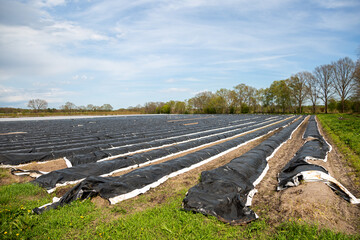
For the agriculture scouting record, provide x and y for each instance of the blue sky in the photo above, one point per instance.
(126, 53)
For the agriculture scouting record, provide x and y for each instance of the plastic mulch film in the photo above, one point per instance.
(129, 185)
(106, 168)
(226, 192)
(298, 169)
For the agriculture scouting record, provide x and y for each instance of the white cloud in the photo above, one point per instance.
(16, 95)
(333, 4)
(175, 90)
(49, 3)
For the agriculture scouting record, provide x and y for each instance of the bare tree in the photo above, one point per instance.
(312, 88)
(37, 104)
(324, 78)
(297, 84)
(69, 106)
(357, 80)
(106, 107)
(344, 78)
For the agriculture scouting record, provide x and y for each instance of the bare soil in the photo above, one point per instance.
(46, 166)
(7, 178)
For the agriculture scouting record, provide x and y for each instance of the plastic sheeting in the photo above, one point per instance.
(70, 175)
(116, 189)
(226, 192)
(298, 169)
(52, 139)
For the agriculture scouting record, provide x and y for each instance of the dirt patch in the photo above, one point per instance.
(310, 202)
(100, 202)
(7, 178)
(187, 124)
(46, 166)
(12, 133)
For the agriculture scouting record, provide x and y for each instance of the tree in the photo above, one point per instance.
(226, 98)
(312, 87)
(298, 88)
(37, 104)
(180, 107)
(150, 107)
(69, 106)
(343, 78)
(106, 107)
(240, 95)
(201, 101)
(165, 109)
(324, 78)
(281, 94)
(357, 80)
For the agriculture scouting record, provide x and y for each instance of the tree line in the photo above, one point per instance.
(334, 86)
(40, 104)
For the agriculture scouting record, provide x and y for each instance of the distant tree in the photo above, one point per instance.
(226, 99)
(357, 80)
(332, 105)
(313, 89)
(240, 95)
(150, 107)
(106, 107)
(82, 108)
(299, 90)
(69, 106)
(281, 94)
(344, 78)
(165, 109)
(180, 107)
(37, 104)
(201, 101)
(324, 75)
(90, 107)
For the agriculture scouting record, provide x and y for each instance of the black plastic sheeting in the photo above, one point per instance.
(315, 148)
(140, 180)
(124, 150)
(226, 192)
(78, 172)
(44, 140)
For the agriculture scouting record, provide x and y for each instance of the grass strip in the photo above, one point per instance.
(344, 130)
(85, 220)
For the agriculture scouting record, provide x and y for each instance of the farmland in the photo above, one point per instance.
(145, 165)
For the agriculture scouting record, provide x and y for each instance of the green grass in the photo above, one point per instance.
(84, 220)
(344, 130)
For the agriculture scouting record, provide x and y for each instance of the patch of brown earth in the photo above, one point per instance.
(7, 178)
(46, 166)
(11, 133)
(311, 202)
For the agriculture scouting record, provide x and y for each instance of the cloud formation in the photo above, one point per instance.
(124, 52)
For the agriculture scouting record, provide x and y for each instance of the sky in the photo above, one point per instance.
(126, 53)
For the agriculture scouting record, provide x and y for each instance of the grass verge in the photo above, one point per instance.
(344, 130)
(85, 220)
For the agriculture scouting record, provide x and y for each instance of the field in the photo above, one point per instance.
(174, 154)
